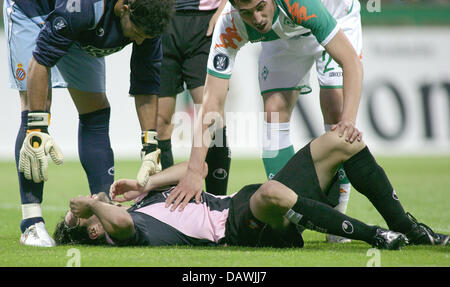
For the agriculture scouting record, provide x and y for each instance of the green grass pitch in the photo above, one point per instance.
(422, 184)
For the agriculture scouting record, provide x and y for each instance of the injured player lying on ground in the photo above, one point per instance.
(271, 214)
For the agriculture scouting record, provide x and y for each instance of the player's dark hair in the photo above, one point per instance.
(233, 2)
(75, 235)
(78, 234)
(65, 235)
(152, 16)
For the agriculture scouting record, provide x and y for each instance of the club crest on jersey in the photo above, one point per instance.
(265, 73)
(288, 22)
(20, 72)
(221, 62)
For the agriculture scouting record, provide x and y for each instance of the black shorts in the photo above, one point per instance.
(300, 175)
(243, 229)
(185, 52)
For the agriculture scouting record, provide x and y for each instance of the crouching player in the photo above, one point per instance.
(268, 214)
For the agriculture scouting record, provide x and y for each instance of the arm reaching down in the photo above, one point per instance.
(210, 117)
(123, 190)
(342, 51)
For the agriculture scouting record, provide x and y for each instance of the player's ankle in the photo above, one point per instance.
(25, 223)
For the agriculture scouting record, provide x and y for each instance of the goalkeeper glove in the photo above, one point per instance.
(36, 146)
(150, 155)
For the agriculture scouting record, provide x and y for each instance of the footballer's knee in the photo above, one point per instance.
(270, 202)
(278, 107)
(88, 102)
(274, 193)
(331, 102)
(343, 147)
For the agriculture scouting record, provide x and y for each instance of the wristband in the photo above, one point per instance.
(149, 141)
(38, 121)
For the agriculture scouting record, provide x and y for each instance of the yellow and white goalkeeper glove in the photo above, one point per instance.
(37, 145)
(151, 157)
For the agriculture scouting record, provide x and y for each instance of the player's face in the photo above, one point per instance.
(257, 13)
(93, 224)
(130, 30)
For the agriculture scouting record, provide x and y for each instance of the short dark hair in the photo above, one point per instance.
(79, 234)
(152, 16)
(65, 235)
(233, 2)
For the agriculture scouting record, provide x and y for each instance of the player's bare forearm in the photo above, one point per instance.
(129, 189)
(343, 52)
(37, 85)
(115, 220)
(167, 177)
(147, 111)
(210, 117)
(214, 18)
(222, 5)
(353, 77)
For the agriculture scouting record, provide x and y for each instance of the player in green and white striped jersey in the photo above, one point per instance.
(294, 35)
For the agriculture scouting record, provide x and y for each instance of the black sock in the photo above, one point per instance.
(94, 149)
(370, 179)
(166, 153)
(218, 159)
(323, 218)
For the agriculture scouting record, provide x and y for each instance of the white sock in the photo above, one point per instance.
(276, 136)
(344, 188)
(344, 196)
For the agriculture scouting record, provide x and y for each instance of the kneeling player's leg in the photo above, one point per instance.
(277, 145)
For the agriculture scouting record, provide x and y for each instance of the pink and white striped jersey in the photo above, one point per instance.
(197, 224)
